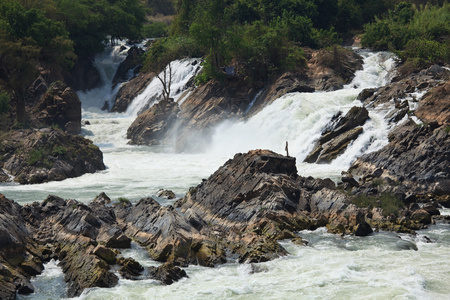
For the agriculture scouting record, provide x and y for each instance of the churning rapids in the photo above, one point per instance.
(381, 266)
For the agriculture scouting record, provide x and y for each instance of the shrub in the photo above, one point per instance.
(390, 204)
(155, 30)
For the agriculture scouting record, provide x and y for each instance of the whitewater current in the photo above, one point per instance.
(381, 266)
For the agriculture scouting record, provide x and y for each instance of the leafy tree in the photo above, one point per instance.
(27, 39)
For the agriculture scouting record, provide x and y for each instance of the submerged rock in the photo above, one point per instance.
(166, 273)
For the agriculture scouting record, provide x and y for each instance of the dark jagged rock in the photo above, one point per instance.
(132, 62)
(46, 155)
(417, 157)
(130, 268)
(167, 234)
(166, 273)
(152, 125)
(339, 133)
(61, 107)
(19, 257)
(414, 82)
(130, 90)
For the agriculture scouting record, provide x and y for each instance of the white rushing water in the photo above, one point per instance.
(381, 266)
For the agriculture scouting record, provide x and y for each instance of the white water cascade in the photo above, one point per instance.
(299, 118)
(381, 266)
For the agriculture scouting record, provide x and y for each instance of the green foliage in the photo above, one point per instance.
(59, 150)
(388, 202)
(420, 34)
(168, 49)
(36, 156)
(4, 103)
(155, 30)
(4, 111)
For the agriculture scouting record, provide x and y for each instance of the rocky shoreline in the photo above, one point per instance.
(240, 211)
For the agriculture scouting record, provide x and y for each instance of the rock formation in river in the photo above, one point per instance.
(240, 211)
(340, 132)
(36, 156)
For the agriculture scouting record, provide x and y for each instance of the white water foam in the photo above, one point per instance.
(299, 118)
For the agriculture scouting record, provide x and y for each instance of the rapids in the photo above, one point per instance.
(381, 266)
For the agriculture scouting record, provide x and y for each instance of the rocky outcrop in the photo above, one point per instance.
(130, 90)
(257, 198)
(435, 105)
(59, 106)
(338, 134)
(19, 257)
(416, 156)
(132, 63)
(399, 91)
(167, 234)
(330, 70)
(36, 156)
(151, 126)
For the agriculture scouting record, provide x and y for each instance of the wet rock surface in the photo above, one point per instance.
(36, 156)
(130, 90)
(151, 126)
(240, 211)
(417, 156)
(339, 133)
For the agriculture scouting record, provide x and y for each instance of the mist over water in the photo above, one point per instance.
(381, 266)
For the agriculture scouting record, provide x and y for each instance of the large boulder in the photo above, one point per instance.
(36, 156)
(59, 106)
(338, 134)
(128, 91)
(151, 126)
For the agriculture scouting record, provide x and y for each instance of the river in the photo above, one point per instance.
(381, 266)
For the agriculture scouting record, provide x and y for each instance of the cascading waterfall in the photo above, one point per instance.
(299, 118)
(183, 70)
(332, 267)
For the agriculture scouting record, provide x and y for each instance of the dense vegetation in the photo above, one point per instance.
(258, 37)
(420, 34)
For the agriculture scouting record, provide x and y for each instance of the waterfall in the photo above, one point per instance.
(183, 71)
(299, 118)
